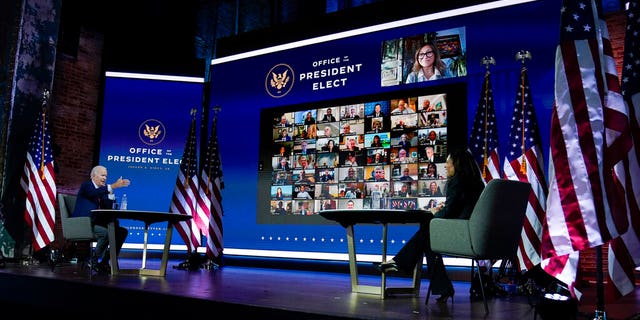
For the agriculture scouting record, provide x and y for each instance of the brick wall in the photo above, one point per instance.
(75, 114)
(616, 24)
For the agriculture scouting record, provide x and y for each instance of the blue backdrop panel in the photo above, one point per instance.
(240, 87)
(144, 129)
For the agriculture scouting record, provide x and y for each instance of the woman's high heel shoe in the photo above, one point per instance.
(445, 296)
(386, 267)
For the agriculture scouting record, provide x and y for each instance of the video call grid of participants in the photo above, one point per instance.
(379, 154)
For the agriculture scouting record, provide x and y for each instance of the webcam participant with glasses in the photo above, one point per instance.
(427, 65)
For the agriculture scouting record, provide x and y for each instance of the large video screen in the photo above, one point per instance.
(363, 154)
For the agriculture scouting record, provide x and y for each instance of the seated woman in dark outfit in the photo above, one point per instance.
(462, 191)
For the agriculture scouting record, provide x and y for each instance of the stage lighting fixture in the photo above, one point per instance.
(556, 303)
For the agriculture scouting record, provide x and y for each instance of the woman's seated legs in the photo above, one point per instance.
(440, 282)
(412, 252)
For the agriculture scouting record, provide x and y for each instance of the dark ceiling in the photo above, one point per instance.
(159, 36)
(151, 36)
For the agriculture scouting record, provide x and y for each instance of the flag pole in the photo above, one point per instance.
(46, 95)
(523, 55)
(214, 237)
(486, 61)
(600, 314)
(206, 44)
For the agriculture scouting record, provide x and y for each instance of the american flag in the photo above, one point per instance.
(590, 145)
(212, 182)
(203, 208)
(185, 194)
(483, 141)
(624, 251)
(39, 184)
(524, 162)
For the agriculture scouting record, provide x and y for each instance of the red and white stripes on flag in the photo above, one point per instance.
(524, 162)
(624, 251)
(483, 140)
(211, 179)
(185, 194)
(589, 183)
(39, 185)
(203, 208)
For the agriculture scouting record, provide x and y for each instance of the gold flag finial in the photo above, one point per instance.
(45, 97)
(523, 55)
(486, 61)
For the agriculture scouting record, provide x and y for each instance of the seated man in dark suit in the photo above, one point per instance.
(95, 193)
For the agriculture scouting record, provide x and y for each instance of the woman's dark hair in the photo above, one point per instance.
(437, 59)
(464, 164)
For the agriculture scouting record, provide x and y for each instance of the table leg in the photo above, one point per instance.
(144, 246)
(353, 267)
(113, 253)
(417, 273)
(162, 271)
(165, 252)
(384, 258)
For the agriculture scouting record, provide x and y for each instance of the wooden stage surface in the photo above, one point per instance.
(247, 290)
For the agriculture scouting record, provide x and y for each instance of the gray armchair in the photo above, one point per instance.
(75, 229)
(493, 230)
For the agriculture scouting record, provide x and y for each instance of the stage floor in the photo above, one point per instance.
(248, 292)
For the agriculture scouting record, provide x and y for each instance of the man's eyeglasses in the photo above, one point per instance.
(425, 54)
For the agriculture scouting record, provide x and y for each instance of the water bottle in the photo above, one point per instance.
(123, 202)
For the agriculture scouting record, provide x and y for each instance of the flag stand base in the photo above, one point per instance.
(600, 315)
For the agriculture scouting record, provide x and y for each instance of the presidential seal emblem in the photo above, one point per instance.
(151, 132)
(279, 80)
